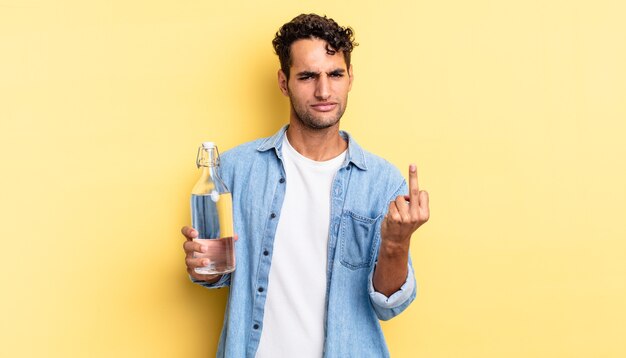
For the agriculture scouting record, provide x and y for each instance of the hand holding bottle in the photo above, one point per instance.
(192, 249)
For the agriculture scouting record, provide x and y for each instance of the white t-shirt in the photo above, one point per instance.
(295, 306)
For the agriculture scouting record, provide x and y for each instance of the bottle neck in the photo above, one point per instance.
(210, 179)
(209, 161)
(210, 171)
(208, 157)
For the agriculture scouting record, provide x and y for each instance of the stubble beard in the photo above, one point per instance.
(309, 120)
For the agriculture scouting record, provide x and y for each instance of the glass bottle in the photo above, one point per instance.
(212, 214)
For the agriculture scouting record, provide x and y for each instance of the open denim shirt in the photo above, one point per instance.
(360, 194)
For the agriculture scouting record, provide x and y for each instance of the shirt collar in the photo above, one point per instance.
(355, 154)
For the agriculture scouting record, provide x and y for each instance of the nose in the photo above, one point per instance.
(322, 88)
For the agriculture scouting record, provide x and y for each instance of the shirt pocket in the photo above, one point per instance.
(358, 237)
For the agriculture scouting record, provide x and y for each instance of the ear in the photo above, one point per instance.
(351, 77)
(282, 83)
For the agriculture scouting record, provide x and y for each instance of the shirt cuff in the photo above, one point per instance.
(397, 298)
(222, 282)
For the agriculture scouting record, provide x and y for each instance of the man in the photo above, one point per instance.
(323, 226)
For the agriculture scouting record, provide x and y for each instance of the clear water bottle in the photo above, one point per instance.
(212, 214)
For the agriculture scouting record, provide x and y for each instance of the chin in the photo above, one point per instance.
(317, 125)
(316, 121)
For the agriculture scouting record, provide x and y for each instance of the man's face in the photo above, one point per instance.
(318, 85)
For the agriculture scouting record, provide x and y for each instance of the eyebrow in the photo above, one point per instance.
(312, 73)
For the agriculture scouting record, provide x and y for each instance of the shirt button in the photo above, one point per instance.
(265, 253)
(273, 215)
(348, 167)
(256, 326)
(260, 289)
(282, 180)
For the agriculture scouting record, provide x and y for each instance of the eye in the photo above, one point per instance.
(336, 74)
(305, 76)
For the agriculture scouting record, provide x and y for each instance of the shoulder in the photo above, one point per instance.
(381, 174)
(243, 158)
(372, 182)
(389, 175)
(244, 149)
(381, 166)
(370, 164)
(242, 155)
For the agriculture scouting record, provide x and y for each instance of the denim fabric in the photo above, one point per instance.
(360, 195)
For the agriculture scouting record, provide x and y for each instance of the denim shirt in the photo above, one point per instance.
(360, 194)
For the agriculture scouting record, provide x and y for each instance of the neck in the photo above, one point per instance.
(316, 144)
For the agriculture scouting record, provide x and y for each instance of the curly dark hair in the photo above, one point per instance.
(306, 26)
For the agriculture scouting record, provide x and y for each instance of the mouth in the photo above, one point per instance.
(324, 106)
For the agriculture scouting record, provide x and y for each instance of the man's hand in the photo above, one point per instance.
(405, 215)
(192, 263)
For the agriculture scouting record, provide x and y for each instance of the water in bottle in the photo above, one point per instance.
(212, 214)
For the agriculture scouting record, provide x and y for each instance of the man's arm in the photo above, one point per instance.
(405, 215)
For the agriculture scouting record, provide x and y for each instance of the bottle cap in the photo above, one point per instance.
(208, 145)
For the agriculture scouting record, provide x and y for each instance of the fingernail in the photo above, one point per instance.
(412, 168)
(203, 249)
(205, 262)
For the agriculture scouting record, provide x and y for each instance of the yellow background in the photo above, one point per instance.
(514, 112)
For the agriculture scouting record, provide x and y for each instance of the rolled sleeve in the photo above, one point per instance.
(389, 307)
(224, 281)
